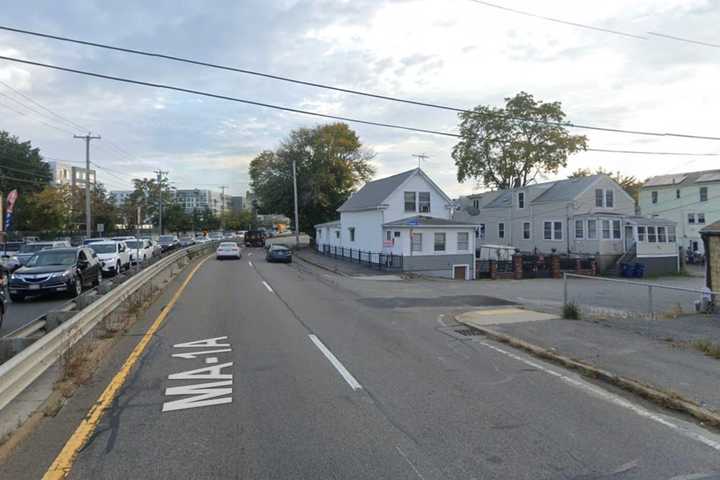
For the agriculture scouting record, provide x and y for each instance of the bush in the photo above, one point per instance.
(708, 348)
(571, 311)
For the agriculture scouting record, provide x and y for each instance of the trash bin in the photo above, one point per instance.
(625, 270)
(638, 270)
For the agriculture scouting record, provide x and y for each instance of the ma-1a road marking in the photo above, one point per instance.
(216, 392)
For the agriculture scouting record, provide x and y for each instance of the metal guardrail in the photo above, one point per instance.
(24, 368)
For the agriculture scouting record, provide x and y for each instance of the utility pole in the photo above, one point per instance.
(420, 157)
(222, 207)
(160, 175)
(297, 218)
(88, 215)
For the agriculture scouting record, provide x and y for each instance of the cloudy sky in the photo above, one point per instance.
(454, 52)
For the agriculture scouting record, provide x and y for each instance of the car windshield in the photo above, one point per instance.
(278, 248)
(48, 258)
(134, 244)
(34, 247)
(104, 248)
(167, 238)
(12, 246)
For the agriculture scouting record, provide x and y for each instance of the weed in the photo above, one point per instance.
(571, 311)
(707, 347)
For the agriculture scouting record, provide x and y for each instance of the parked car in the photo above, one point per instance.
(187, 241)
(156, 248)
(124, 239)
(228, 250)
(168, 242)
(278, 253)
(10, 249)
(114, 256)
(88, 241)
(3, 297)
(66, 270)
(255, 238)
(28, 250)
(140, 249)
(215, 236)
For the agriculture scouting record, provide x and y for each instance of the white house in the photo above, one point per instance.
(590, 216)
(692, 200)
(405, 215)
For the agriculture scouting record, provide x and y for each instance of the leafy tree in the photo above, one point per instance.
(146, 195)
(509, 147)
(629, 183)
(45, 211)
(102, 207)
(331, 162)
(21, 167)
(176, 220)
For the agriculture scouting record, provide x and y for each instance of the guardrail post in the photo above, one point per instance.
(650, 302)
(55, 317)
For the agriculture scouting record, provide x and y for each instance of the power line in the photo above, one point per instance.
(57, 115)
(36, 182)
(277, 107)
(558, 20)
(339, 89)
(35, 111)
(607, 150)
(686, 40)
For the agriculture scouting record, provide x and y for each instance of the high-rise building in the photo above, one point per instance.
(199, 200)
(66, 174)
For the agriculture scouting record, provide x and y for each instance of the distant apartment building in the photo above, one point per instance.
(237, 204)
(200, 200)
(691, 199)
(66, 174)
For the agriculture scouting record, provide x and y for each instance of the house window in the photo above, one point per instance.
(388, 235)
(416, 242)
(521, 200)
(617, 233)
(476, 203)
(599, 197)
(557, 230)
(410, 205)
(424, 202)
(609, 199)
(701, 218)
(661, 234)
(703, 194)
(691, 218)
(641, 233)
(606, 229)
(352, 233)
(552, 230)
(651, 234)
(579, 229)
(501, 230)
(439, 242)
(654, 197)
(480, 232)
(547, 230)
(463, 241)
(397, 234)
(671, 234)
(526, 231)
(677, 193)
(592, 229)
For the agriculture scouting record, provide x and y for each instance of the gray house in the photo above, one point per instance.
(587, 216)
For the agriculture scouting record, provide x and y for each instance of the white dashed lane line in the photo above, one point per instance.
(268, 287)
(354, 384)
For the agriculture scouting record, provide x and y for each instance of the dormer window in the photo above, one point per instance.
(521, 199)
(424, 202)
(410, 203)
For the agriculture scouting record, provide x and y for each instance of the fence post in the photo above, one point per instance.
(517, 267)
(492, 266)
(650, 302)
(565, 289)
(555, 266)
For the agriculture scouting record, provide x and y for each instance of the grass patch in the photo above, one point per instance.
(707, 347)
(571, 311)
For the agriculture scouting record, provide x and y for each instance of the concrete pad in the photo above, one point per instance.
(500, 316)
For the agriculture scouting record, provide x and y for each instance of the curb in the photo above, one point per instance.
(318, 265)
(659, 397)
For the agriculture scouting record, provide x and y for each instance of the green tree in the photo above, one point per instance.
(509, 147)
(102, 207)
(176, 220)
(146, 195)
(331, 162)
(48, 210)
(21, 167)
(629, 183)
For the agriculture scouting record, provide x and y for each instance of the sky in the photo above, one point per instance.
(453, 52)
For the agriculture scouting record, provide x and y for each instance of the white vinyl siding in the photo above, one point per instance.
(463, 241)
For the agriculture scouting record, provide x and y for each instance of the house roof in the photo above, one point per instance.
(334, 223)
(565, 190)
(712, 229)
(373, 193)
(425, 221)
(504, 199)
(683, 179)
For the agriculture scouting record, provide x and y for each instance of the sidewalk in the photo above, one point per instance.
(654, 353)
(341, 267)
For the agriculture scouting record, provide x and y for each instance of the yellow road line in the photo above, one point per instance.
(65, 459)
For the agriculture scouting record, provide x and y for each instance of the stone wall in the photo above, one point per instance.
(713, 259)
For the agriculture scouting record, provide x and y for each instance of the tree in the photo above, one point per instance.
(146, 195)
(629, 183)
(331, 162)
(48, 210)
(102, 207)
(509, 147)
(21, 167)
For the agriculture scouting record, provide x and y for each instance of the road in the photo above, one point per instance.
(312, 380)
(19, 314)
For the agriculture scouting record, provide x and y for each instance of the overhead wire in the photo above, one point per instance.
(347, 90)
(262, 104)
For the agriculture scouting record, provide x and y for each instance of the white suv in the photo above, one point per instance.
(141, 249)
(114, 256)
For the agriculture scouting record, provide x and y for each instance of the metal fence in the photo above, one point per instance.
(381, 261)
(616, 298)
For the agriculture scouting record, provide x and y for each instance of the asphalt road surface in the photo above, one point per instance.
(18, 314)
(305, 379)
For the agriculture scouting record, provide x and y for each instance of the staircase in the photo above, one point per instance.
(627, 257)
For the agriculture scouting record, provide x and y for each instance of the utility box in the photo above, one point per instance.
(711, 240)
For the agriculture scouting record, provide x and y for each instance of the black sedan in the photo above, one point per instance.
(64, 270)
(278, 253)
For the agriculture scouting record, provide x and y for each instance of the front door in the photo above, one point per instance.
(629, 237)
(460, 272)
